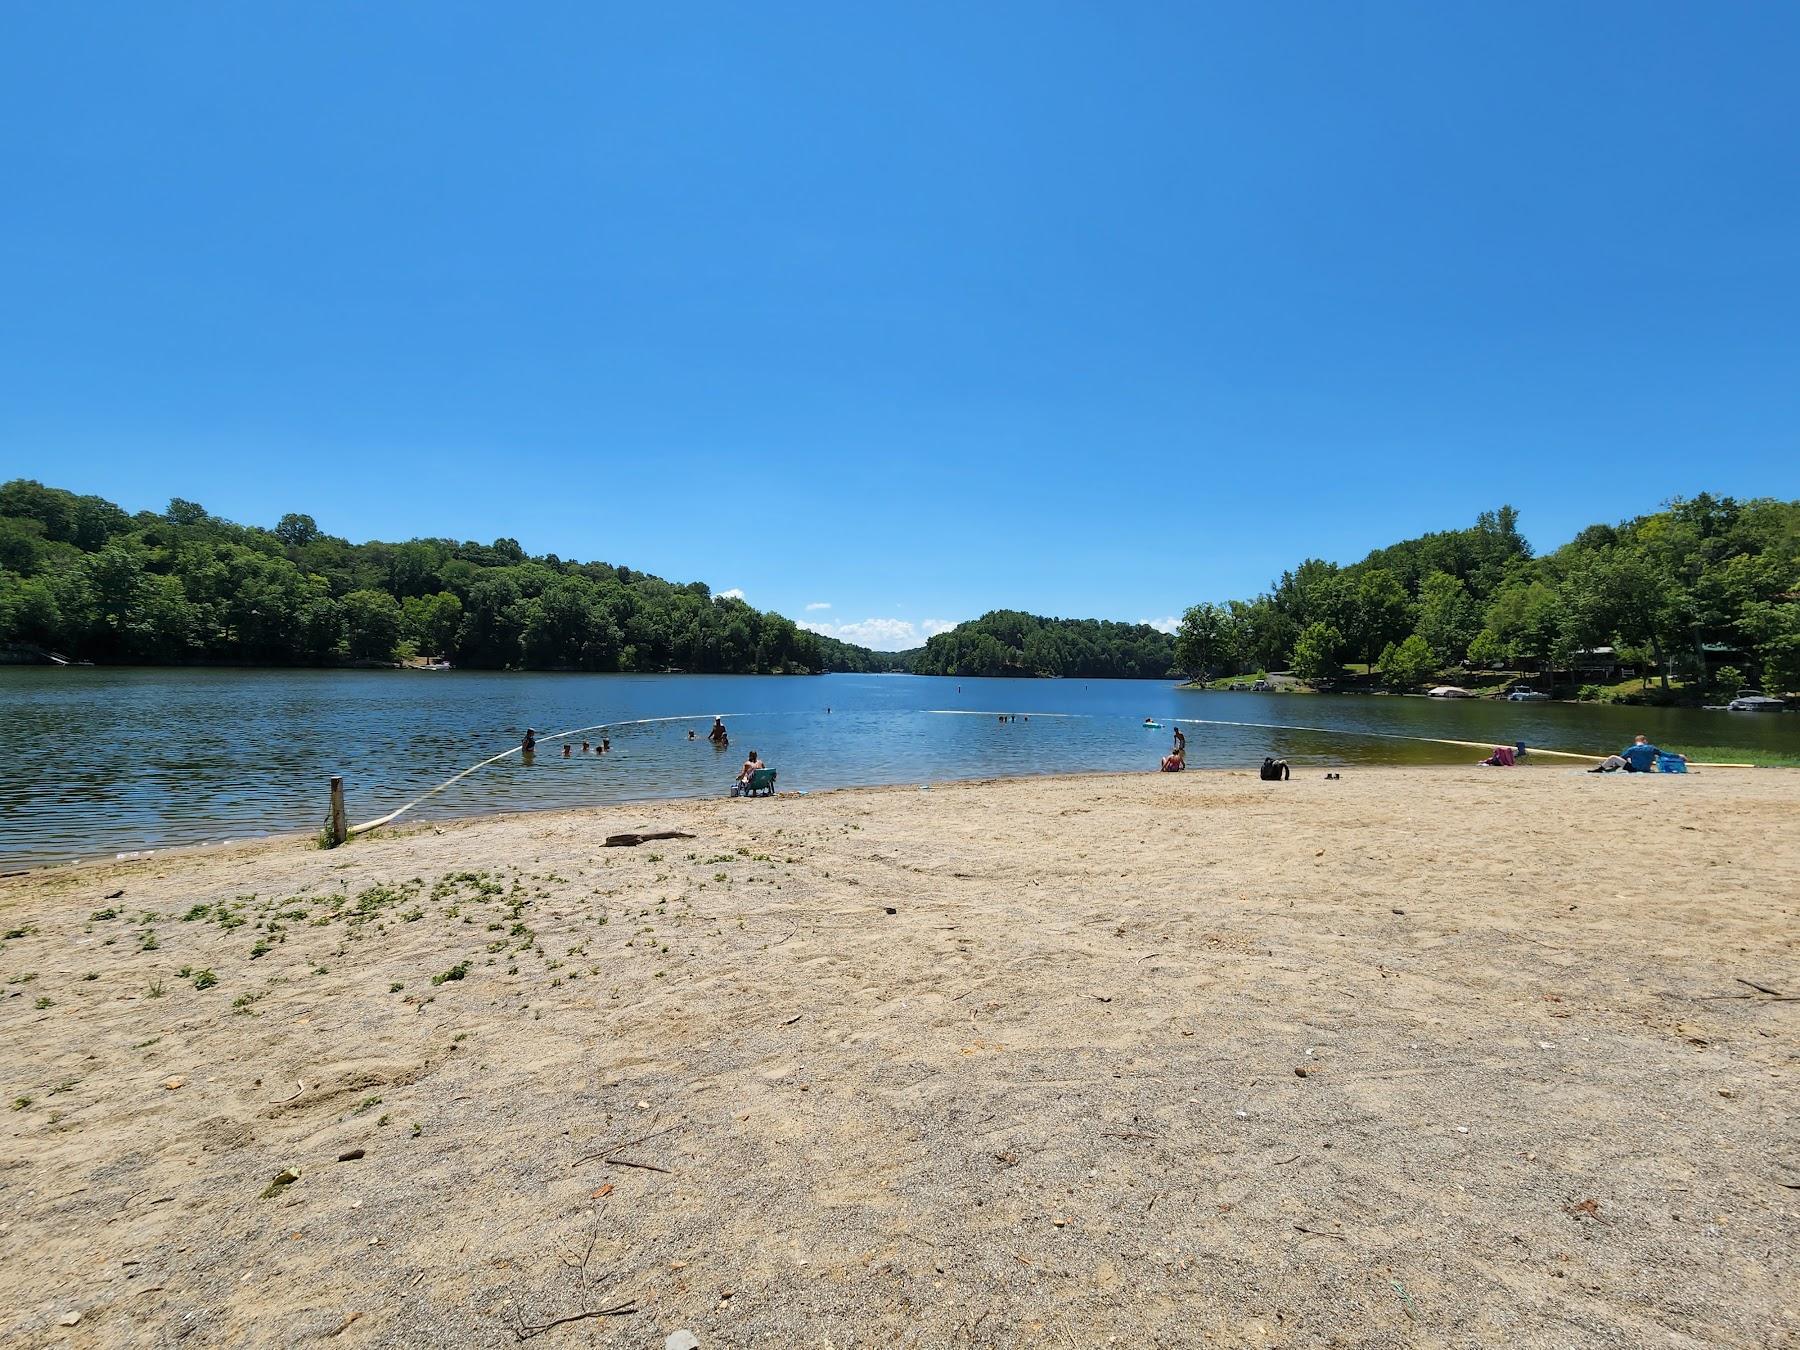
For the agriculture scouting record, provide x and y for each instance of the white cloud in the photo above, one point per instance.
(884, 635)
(818, 604)
(735, 593)
(1167, 624)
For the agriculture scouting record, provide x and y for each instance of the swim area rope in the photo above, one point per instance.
(554, 736)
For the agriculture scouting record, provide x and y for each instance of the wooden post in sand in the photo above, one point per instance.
(339, 830)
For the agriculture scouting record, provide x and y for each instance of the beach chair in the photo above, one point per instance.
(1667, 763)
(761, 784)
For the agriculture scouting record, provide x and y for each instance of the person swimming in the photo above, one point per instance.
(567, 749)
(606, 745)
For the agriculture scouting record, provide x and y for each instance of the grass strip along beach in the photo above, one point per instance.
(1418, 1056)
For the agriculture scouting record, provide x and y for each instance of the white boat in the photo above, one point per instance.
(1448, 691)
(1754, 700)
(1527, 696)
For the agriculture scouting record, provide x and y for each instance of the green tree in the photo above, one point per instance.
(296, 531)
(1203, 642)
(1382, 611)
(1408, 665)
(1316, 654)
(1448, 620)
(430, 622)
(371, 625)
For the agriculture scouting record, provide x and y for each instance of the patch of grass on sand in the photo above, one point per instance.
(1741, 754)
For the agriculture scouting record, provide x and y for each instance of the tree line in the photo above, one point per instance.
(1007, 642)
(1666, 590)
(81, 577)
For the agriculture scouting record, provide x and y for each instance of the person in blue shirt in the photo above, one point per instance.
(1638, 757)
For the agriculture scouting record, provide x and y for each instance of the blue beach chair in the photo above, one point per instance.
(1667, 763)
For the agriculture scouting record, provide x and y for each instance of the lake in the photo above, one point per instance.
(100, 761)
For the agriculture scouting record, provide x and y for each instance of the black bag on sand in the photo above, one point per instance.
(1274, 770)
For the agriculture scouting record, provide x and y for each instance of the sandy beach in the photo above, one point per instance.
(1417, 1057)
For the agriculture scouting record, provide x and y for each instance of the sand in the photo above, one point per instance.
(1419, 1057)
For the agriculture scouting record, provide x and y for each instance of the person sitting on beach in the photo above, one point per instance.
(1638, 757)
(1173, 763)
(751, 765)
(1274, 770)
(1502, 758)
(717, 735)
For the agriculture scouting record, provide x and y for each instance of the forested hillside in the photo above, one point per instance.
(1006, 642)
(1670, 591)
(81, 577)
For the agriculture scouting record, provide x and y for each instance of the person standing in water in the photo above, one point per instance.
(528, 746)
(1179, 749)
(717, 735)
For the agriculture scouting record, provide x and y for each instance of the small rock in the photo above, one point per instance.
(1726, 1092)
(351, 1156)
(643, 1106)
(68, 1319)
(283, 1179)
(1060, 1223)
(1299, 1073)
(890, 909)
(682, 1340)
(1399, 911)
(1242, 1115)
(173, 1082)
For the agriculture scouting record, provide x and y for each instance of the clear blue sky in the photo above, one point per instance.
(909, 310)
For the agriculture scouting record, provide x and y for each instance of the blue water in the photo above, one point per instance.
(101, 761)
